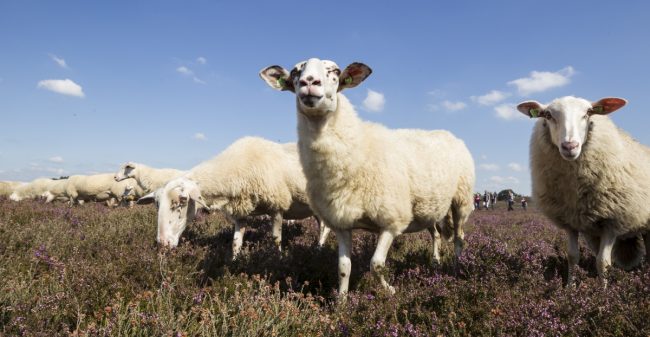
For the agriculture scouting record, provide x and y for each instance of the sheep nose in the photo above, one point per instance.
(310, 80)
(570, 145)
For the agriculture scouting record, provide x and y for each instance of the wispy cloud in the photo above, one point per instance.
(453, 106)
(508, 111)
(185, 71)
(504, 180)
(374, 101)
(491, 98)
(539, 81)
(515, 167)
(59, 61)
(199, 136)
(201, 60)
(63, 87)
(489, 167)
(56, 159)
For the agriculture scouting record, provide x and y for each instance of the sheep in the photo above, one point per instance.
(362, 175)
(590, 178)
(98, 187)
(149, 179)
(33, 189)
(8, 187)
(57, 190)
(253, 176)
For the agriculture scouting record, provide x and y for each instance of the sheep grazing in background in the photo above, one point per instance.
(98, 187)
(363, 175)
(34, 189)
(8, 187)
(149, 179)
(591, 178)
(253, 176)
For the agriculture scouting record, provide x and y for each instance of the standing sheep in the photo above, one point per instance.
(148, 178)
(33, 189)
(253, 176)
(363, 175)
(8, 187)
(590, 177)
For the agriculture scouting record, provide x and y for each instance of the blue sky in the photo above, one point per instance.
(172, 83)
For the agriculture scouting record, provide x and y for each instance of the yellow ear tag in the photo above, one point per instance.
(282, 82)
(348, 80)
(533, 113)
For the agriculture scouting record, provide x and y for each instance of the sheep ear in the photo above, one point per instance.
(195, 195)
(277, 78)
(532, 109)
(606, 105)
(353, 75)
(147, 199)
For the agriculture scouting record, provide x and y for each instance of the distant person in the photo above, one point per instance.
(486, 200)
(477, 201)
(524, 203)
(511, 201)
(494, 200)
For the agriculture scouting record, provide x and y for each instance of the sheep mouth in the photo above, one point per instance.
(570, 155)
(310, 100)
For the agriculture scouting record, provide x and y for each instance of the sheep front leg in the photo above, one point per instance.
(573, 255)
(378, 261)
(344, 238)
(277, 230)
(238, 237)
(324, 232)
(604, 258)
(435, 236)
(646, 240)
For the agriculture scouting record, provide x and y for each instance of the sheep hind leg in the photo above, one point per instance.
(238, 237)
(378, 261)
(573, 256)
(344, 238)
(324, 231)
(277, 230)
(435, 237)
(646, 240)
(604, 258)
(460, 214)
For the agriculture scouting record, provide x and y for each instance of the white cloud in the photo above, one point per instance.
(64, 87)
(504, 180)
(185, 71)
(453, 106)
(539, 81)
(491, 98)
(198, 80)
(374, 102)
(489, 167)
(56, 159)
(201, 60)
(515, 167)
(59, 61)
(199, 136)
(508, 111)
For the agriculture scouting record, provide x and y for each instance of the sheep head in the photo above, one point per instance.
(127, 170)
(315, 83)
(568, 120)
(177, 203)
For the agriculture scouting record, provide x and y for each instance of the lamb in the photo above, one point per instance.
(253, 176)
(149, 179)
(8, 187)
(361, 175)
(591, 178)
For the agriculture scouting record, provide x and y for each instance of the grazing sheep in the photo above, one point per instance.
(253, 176)
(148, 178)
(8, 187)
(33, 189)
(590, 177)
(363, 175)
(97, 187)
(57, 190)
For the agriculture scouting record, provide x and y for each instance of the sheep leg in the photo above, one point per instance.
(277, 230)
(344, 238)
(324, 232)
(238, 237)
(573, 255)
(460, 214)
(646, 240)
(378, 261)
(435, 236)
(604, 258)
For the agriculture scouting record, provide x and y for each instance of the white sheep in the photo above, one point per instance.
(97, 187)
(149, 179)
(57, 190)
(8, 187)
(363, 175)
(590, 178)
(33, 189)
(253, 176)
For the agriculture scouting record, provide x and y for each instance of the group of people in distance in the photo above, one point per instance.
(488, 200)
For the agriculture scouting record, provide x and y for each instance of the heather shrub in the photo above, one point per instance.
(95, 271)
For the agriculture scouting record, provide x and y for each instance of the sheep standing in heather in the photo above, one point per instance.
(8, 187)
(33, 189)
(590, 178)
(149, 179)
(253, 176)
(363, 175)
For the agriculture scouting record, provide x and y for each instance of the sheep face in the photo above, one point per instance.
(315, 83)
(177, 204)
(568, 120)
(126, 171)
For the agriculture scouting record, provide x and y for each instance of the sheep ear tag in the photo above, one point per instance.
(282, 82)
(534, 113)
(598, 109)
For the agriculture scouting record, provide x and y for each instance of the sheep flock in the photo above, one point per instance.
(590, 178)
